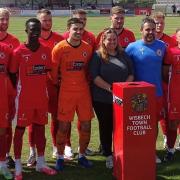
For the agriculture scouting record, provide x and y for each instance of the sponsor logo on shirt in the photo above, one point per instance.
(74, 65)
(36, 70)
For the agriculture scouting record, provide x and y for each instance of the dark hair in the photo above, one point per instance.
(73, 21)
(35, 20)
(147, 20)
(102, 50)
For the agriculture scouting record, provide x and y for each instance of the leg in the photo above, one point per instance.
(84, 138)
(18, 140)
(9, 159)
(32, 156)
(40, 141)
(61, 141)
(3, 167)
(104, 114)
(54, 129)
(171, 139)
(68, 153)
(105, 118)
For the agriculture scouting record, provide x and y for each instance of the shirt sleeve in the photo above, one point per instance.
(168, 57)
(56, 56)
(94, 66)
(14, 62)
(129, 64)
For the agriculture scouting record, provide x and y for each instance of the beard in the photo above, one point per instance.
(3, 28)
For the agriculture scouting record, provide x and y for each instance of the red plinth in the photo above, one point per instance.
(134, 132)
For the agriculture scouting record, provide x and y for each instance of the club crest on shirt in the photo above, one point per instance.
(84, 54)
(11, 46)
(43, 56)
(139, 102)
(167, 45)
(126, 40)
(55, 43)
(2, 55)
(159, 52)
(89, 41)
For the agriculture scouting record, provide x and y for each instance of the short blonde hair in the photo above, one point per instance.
(4, 12)
(158, 14)
(117, 10)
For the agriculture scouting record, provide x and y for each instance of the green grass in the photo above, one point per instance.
(99, 172)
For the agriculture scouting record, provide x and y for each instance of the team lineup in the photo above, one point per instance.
(73, 73)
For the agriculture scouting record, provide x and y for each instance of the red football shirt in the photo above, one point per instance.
(11, 41)
(170, 42)
(124, 38)
(87, 36)
(32, 77)
(5, 55)
(52, 40)
(173, 58)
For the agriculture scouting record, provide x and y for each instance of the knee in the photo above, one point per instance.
(85, 126)
(2, 131)
(64, 127)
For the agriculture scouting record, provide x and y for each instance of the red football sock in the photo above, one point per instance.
(84, 138)
(54, 129)
(68, 140)
(3, 147)
(40, 140)
(164, 126)
(18, 141)
(171, 138)
(61, 141)
(8, 139)
(31, 136)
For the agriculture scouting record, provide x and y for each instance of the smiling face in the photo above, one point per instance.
(76, 31)
(148, 32)
(110, 41)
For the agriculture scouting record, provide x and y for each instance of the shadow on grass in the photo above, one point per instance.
(73, 171)
(168, 170)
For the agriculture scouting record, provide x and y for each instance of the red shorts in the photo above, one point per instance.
(30, 116)
(53, 98)
(4, 118)
(165, 95)
(71, 102)
(159, 108)
(174, 110)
